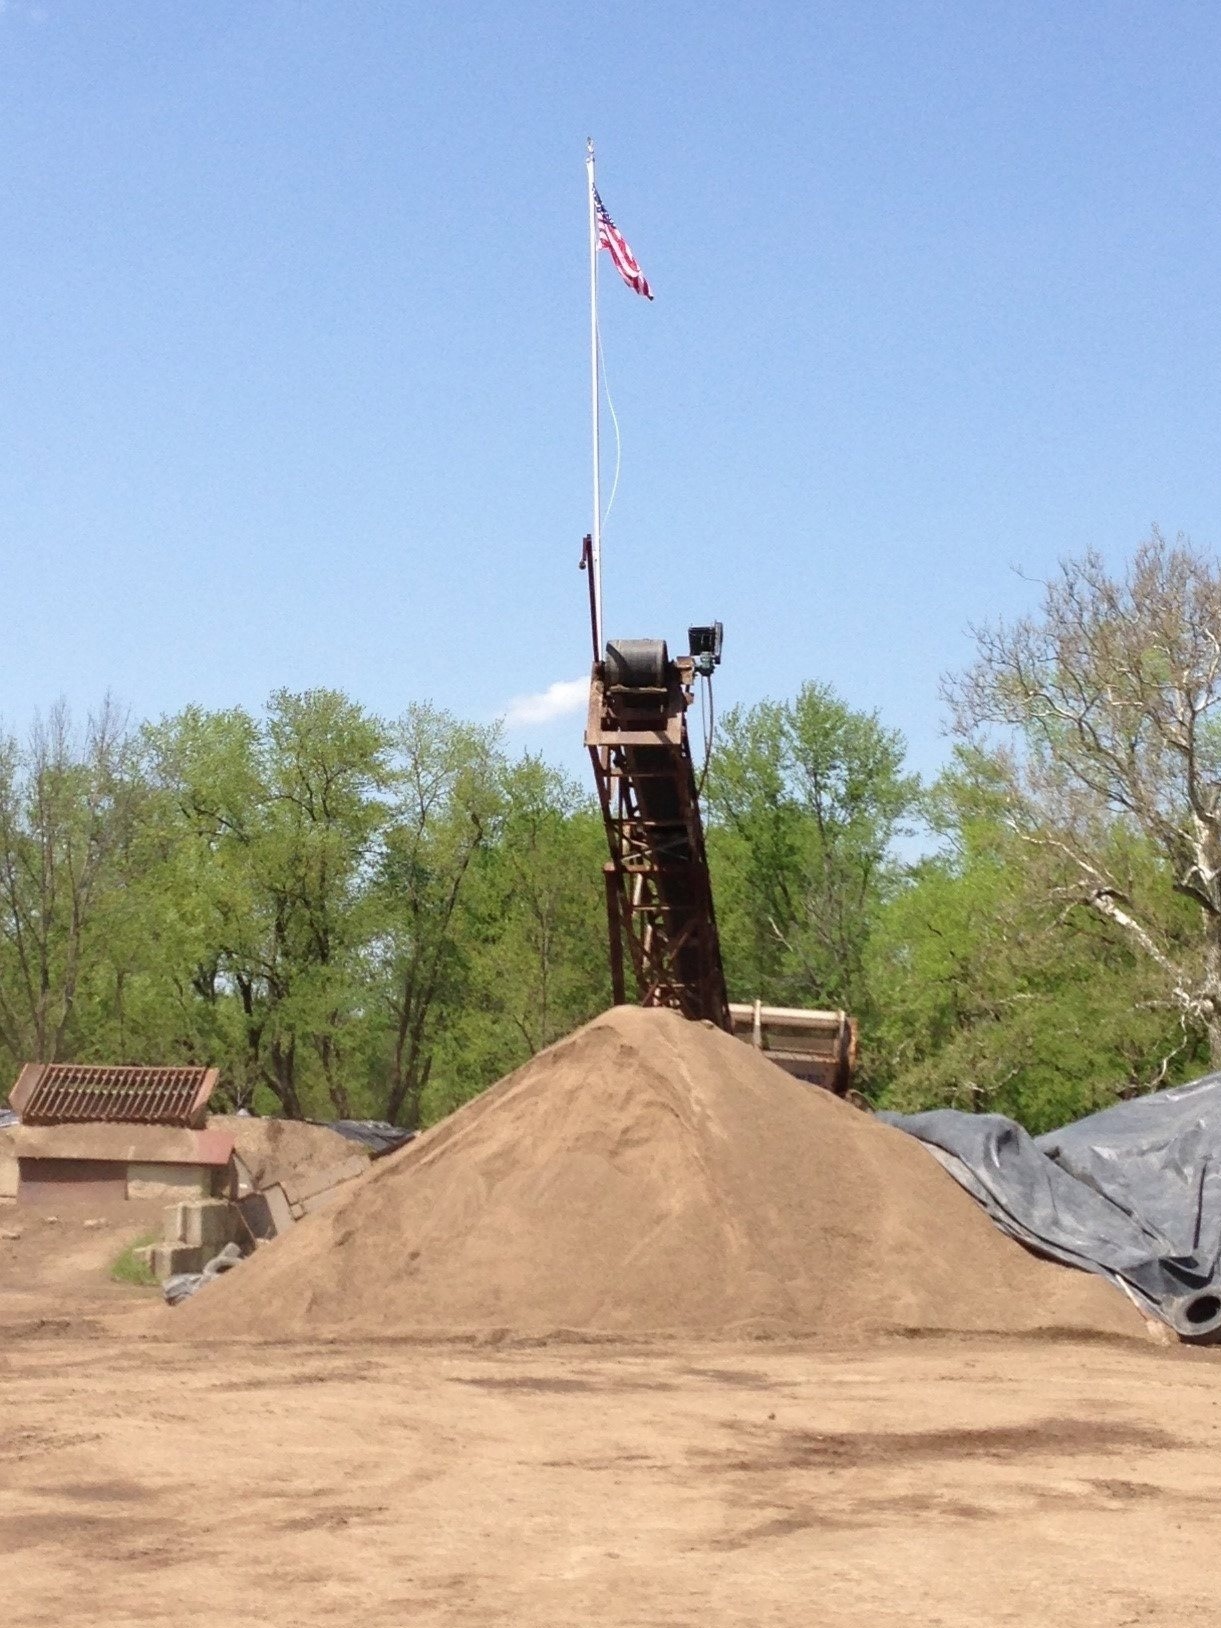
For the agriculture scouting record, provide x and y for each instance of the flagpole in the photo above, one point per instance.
(595, 403)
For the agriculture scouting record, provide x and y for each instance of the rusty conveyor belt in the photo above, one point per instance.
(658, 891)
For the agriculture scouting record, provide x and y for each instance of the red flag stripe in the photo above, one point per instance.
(613, 240)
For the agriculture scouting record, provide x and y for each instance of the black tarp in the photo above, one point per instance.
(1132, 1193)
(376, 1135)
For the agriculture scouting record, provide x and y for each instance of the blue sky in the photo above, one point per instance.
(295, 390)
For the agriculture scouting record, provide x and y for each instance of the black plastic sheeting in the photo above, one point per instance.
(1132, 1193)
(376, 1135)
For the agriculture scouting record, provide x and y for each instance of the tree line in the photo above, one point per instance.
(359, 916)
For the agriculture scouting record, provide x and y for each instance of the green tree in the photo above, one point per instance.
(276, 828)
(536, 921)
(989, 995)
(1108, 701)
(448, 798)
(805, 801)
(69, 807)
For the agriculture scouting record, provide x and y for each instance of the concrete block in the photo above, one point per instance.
(208, 1222)
(243, 1177)
(256, 1214)
(9, 1176)
(171, 1258)
(334, 1177)
(278, 1207)
(169, 1181)
(321, 1200)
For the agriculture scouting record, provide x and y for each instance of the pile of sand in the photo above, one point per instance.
(286, 1151)
(651, 1176)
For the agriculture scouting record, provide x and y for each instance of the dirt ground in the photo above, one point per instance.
(936, 1481)
(55, 1260)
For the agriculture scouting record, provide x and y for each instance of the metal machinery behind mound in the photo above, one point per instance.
(658, 889)
(818, 1047)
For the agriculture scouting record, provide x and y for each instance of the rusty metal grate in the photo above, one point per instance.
(87, 1093)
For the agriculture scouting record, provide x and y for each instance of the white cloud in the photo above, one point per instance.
(556, 701)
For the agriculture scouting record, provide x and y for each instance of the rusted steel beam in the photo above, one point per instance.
(659, 895)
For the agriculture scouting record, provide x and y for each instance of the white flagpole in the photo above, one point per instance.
(595, 402)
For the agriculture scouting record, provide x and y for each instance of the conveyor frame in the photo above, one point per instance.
(658, 890)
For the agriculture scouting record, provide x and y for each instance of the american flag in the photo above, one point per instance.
(613, 240)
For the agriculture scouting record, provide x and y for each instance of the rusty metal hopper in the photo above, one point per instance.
(819, 1047)
(88, 1093)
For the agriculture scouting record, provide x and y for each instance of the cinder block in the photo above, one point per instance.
(171, 1258)
(168, 1181)
(320, 1200)
(278, 1207)
(246, 1183)
(8, 1177)
(208, 1222)
(334, 1177)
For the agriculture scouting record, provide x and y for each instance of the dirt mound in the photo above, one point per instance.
(651, 1176)
(286, 1150)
